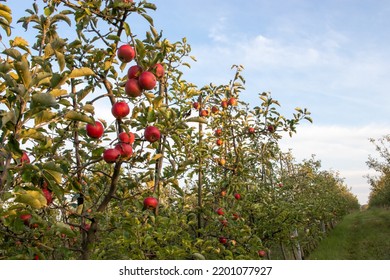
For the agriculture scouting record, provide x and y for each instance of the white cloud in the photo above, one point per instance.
(340, 148)
(218, 30)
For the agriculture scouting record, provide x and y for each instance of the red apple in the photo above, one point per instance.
(224, 222)
(95, 130)
(134, 72)
(262, 253)
(87, 227)
(35, 225)
(224, 104)
(232, 101)
(219, 142)
(223, 240)
(111, 155)
(150, 202)
(237, 196)
(25, 218)
(120, 110)
(220, 211)
(218, 132)
(214, 109)
(152, 134)
(158, 70)
(48, 195)
(271, 128)
(236, 216)
(125, 53)
(223, 193)
(204, 113)
(36, 257)
(251, 130)
(125, 149)
(147, 80)
(126, 137)
(132, 88)
(196, 105)
(24, 158)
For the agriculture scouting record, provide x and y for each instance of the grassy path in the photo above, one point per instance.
(362, 235)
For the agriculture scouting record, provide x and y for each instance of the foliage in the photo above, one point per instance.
(61, 200)
(380, 185)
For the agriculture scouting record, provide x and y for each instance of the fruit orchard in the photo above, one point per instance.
(173, 170)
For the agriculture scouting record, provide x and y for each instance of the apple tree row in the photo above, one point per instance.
(107, 152)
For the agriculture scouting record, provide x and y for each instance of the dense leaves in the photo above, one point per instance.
(380, 184)
(61, 198)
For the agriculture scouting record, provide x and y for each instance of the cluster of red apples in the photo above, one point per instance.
(138, 80)
(224, 222)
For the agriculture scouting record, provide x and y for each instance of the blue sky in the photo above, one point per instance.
(332, 57)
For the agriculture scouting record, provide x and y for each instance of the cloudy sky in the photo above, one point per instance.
(330, 56)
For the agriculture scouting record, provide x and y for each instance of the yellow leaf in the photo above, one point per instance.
(33, 198)
(81, 72)
(58, 92)
(150, 184)
(157, 156)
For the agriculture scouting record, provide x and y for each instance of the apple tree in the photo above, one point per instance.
(109, 153)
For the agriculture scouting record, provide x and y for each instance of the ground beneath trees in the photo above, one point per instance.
(363, 235)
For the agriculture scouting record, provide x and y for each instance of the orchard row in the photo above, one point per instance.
(183, 172)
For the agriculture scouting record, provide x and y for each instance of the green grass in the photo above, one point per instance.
(361, 235)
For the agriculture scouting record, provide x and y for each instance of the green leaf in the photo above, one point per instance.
(58, 80)
(44, 99)
(176, 186)
(77, 116)
(113, 38)
(61, 60)
(61, 17)
(150, 6)
(23, 68)
(14, 146)
(48, 51)
(141, 51)
(158, 101)
(127, 29)
(197, 119)
(43, 117)
(81, 72)
(64, 229)
(8, 117)
(151, 116)
(32, 134)
(40, 77)
(84, 92)
(89, 108)
(309, 119)
(15, 54)
(48, 11)
(52, 171)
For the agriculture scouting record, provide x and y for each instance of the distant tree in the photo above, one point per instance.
(380, 184)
